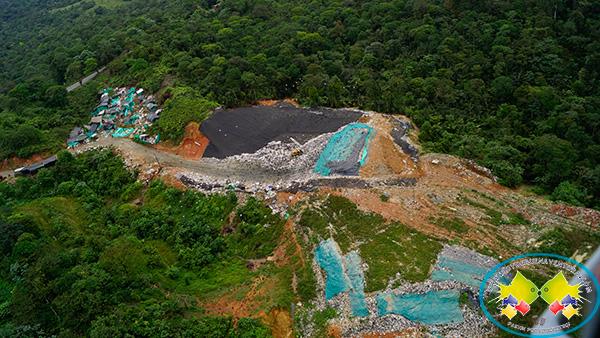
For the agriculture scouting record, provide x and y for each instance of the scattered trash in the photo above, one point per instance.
(462, 265)
(129, 111)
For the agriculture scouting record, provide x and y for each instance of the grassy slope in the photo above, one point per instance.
(387, 248)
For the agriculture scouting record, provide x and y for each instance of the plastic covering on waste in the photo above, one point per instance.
(346, 151)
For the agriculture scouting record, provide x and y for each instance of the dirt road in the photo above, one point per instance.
(210, 167)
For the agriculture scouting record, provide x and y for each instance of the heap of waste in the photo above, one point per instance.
(432, 302)
(346, 151)
(128, 112)
(462, 265)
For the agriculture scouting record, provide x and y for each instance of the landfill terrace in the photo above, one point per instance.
(393, 240)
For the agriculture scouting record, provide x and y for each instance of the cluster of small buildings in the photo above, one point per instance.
(122, 112)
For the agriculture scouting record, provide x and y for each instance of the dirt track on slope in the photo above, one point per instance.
(140, 154)
(439, 186)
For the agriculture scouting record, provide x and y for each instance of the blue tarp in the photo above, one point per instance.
(450, 269)
(123, 132)
(346, 151)
(330, 260)
(343, 274)
(431, 308)
(357, 283)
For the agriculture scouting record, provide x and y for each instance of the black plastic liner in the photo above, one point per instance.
(399, 134)
(247, 129)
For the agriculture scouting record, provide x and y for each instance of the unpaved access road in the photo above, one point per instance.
(212, 168)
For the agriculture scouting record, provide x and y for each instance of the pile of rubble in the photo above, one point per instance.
(588, 216)
(472, 321)
(279, 157)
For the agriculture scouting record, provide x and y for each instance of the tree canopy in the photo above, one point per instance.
(506, 83)
(80, 257)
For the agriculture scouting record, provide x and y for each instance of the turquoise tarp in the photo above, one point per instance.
(450, 269)
(330, 260)
(343, 274)
(431, 308)
(349, 145)
(355, 274)
(123, 132)
(99, 109)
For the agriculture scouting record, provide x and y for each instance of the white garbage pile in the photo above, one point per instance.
(278, 156)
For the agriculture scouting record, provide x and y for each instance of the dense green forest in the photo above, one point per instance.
(511, 84)
(86, 250)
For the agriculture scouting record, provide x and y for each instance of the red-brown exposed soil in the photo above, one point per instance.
(385, 157)
(288, 246)
(193, 145)
(168, 177)
(246, 307)
(16, 162)
(270, 103)
(334, 331)
(436, 194)
(280, 322)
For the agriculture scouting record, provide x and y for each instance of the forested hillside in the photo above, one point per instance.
(86, 251)
(511, 84)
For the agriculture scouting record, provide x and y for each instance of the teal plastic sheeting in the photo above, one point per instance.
(99, 109)
(132, 119)
(123, 132)
(450, 269)
(343, 274)
(431, 308)
(346, 151)
(329, 259)
(357, 283)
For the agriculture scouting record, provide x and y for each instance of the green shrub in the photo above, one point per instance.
(184, 106)
(569, 193)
